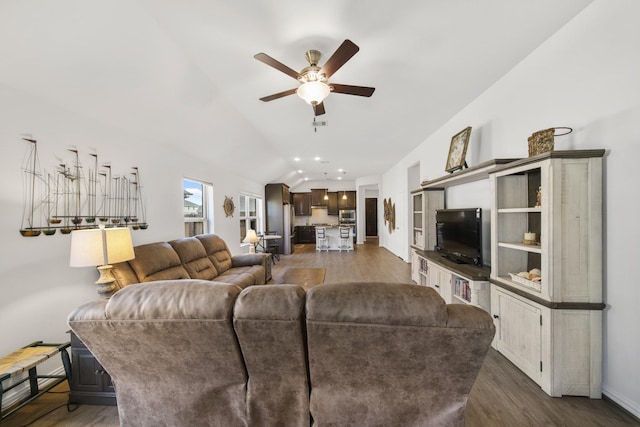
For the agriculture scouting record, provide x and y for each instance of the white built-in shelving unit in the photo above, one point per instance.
(552, 328)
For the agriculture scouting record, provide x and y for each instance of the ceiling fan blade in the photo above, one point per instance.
(318, 109)
(263, 57)
(346, 50)
(352, 90)
(278, 95)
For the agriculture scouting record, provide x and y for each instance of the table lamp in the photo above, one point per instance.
(101, 247)
(251, 238)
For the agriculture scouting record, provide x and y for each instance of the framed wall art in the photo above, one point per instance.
(458, 150)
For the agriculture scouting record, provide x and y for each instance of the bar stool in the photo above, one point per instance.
(345, 238)
(321, 239)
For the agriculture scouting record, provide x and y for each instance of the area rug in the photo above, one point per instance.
(305, 277)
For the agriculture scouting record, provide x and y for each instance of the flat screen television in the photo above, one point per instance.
(459, 235)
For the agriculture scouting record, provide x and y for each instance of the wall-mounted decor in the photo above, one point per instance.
(389, 214)
(458, 150)
(69, 197)
(229, 206)
(542, 140)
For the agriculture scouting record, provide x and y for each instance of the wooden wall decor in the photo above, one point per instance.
(228, 206)
(389, 214)
(70, 197)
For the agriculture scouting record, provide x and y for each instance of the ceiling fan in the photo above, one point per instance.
(314, 85)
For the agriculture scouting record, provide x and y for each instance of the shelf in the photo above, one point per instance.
(520, 210)
(462, 300)
(465, 271)
(472, 174)
(536, 249)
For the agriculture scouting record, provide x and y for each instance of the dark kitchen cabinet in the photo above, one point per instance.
(277, 213)
(305, 234)
(332, 203)
(317, 197)
(348, 202)
(302, 204)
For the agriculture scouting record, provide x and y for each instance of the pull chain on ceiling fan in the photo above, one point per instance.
(314, 86)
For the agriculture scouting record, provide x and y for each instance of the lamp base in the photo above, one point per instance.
(105, 283)
(252, 248)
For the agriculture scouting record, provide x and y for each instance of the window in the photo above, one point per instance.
(198, 215)
(250, 213)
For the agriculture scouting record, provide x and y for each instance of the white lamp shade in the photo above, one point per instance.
(100, 246)
(252, 237)
(313, 92)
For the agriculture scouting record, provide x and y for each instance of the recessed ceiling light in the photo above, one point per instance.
(317, 159)
(339, 170)
(306, 178)
(339, 177)
(296, 159)
(299, 170)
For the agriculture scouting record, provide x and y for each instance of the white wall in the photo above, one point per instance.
(586, 76)
(38, 288)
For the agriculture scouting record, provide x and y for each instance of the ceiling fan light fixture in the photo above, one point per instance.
(313, 92)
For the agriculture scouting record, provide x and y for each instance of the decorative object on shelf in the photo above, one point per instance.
(252, 238)
(458, 150)
(229, 206)
(101, 247)
(529, 238)
(522, 278)
(539, 198)
(542, 140)
(389, 214)
(70, 199)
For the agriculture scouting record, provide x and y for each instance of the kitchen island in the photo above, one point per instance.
(334, 242)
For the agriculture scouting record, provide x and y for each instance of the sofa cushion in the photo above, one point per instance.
(171, 351)
(124, 274)
(157, 261)
(241, 277)
(194, 258)
(217, 251)
(380, 303)
(269, 323)
(383, 354)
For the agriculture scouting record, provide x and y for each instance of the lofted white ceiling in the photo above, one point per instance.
(182, 73)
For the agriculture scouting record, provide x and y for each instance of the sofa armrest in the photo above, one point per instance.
(245, 260)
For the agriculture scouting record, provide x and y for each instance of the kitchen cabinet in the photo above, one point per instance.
(332, 203)
(317, 197)
(302, 204)
(305, 234)
(278, 214)
(348, 202)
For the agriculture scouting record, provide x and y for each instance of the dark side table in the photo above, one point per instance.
(90, 384)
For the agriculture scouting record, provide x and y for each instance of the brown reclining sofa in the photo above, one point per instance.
(202, 353)
(205, 257)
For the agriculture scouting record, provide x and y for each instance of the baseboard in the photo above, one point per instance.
(621, 402)
(22, 392)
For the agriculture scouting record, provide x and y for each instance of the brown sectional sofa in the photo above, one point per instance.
(201, 353)
(205, 257)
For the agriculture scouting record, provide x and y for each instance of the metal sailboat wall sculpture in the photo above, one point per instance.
(71, 198)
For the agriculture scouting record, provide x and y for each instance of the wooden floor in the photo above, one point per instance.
(501, 396)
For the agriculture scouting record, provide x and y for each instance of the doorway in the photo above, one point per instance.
(371, 216)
